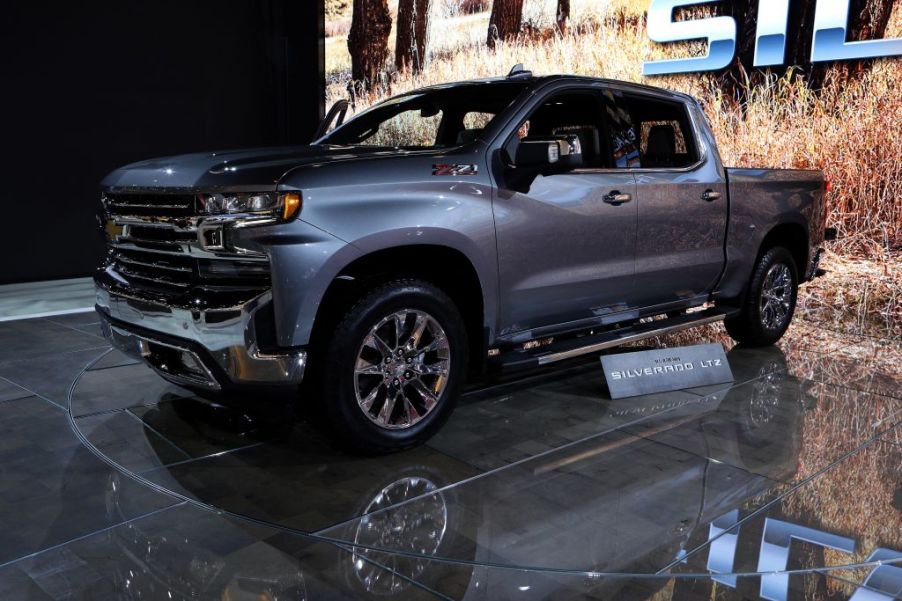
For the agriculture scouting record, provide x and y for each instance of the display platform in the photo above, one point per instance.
(786, 484)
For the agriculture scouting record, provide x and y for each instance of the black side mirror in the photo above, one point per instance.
(541, 156)
(556, 154)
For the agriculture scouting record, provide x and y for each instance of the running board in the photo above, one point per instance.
(575, 347)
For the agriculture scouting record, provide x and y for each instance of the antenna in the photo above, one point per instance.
(518, 71)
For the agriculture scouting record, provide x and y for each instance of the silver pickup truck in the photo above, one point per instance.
(449, 232)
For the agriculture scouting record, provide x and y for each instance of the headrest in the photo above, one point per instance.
(468, 135)
(661, 141)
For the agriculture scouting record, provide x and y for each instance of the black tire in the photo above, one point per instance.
(756, 325)
(351, 425)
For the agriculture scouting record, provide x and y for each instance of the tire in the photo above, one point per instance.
(365, 367)
(763, 321)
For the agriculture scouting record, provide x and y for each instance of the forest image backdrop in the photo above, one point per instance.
(844, 118)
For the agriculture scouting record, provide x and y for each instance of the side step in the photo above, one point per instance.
(574, 347)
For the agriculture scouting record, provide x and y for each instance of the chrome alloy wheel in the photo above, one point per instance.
(402, 369)
(409, 516)
(776, 297)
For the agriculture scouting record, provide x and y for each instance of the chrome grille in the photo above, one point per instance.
(152, 205)
(154, 254)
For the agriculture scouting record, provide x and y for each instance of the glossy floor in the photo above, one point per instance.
(118, 485)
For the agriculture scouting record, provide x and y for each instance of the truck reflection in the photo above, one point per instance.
(592, 507)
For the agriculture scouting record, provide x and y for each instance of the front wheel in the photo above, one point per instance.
(394, 367)
(770, 300)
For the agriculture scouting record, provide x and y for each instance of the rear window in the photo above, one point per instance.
(665, 135)
(649, 133)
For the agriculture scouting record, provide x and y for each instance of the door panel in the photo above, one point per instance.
(564, 253)
(682, 206)
(680, 246)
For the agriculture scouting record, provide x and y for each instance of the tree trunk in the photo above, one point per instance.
(505, 22)
(867, 20)
(368, 40)
(413, 34)
(563, 15)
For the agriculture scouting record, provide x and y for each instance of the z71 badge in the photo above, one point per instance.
(455, 170)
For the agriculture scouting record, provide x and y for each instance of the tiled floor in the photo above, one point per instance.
(45, 299)
(117, 485)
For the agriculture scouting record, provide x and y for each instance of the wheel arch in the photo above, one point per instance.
(444, 266)
(794, 238)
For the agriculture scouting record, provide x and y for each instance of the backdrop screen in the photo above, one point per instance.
(842, 116)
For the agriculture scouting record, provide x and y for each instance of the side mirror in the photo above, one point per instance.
(557, 154)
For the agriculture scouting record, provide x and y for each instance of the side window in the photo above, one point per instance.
(567, 113)
(665, 135)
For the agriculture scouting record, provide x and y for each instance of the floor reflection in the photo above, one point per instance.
(546, 473)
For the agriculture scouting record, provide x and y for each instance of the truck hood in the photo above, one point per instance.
(257, 167)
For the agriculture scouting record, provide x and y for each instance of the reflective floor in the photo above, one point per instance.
(786, 484)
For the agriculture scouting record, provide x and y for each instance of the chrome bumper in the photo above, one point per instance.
(211, 350)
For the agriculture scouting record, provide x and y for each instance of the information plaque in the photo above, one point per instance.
(661, 370)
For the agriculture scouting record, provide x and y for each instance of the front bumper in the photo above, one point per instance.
(200, 349)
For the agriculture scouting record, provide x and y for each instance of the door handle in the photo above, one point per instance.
(710, 195)
(616, 198)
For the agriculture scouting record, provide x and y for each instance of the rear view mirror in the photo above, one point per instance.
(430, 111)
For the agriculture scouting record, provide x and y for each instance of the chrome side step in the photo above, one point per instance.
(575, 347)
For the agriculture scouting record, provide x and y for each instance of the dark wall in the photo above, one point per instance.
(89, 86)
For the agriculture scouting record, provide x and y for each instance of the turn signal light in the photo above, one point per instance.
(291, 205)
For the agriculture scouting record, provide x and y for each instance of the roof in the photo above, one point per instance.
(538, 80)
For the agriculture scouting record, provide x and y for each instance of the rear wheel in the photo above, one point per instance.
(394, 367)
(770, 300)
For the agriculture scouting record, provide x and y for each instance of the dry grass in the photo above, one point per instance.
(857, 296)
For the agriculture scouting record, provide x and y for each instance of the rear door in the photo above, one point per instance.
(682, 203)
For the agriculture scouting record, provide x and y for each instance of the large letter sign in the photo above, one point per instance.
(828, 41)
(719, 31)
(770, 35)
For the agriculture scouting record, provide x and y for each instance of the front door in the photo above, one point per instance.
(566, 249)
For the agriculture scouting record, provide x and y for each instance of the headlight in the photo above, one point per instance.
(285, 205)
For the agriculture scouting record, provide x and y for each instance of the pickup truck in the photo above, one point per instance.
(446, 233)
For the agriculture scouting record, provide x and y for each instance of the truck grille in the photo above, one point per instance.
(159, 259)
(152, 205)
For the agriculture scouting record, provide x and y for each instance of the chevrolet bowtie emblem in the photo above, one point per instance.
(113, 230)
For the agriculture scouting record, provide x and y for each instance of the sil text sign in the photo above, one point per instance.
(660, 370)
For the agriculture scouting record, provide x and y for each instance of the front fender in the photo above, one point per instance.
(304, 260)
(454, 212)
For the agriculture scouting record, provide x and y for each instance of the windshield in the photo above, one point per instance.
(437, 118)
